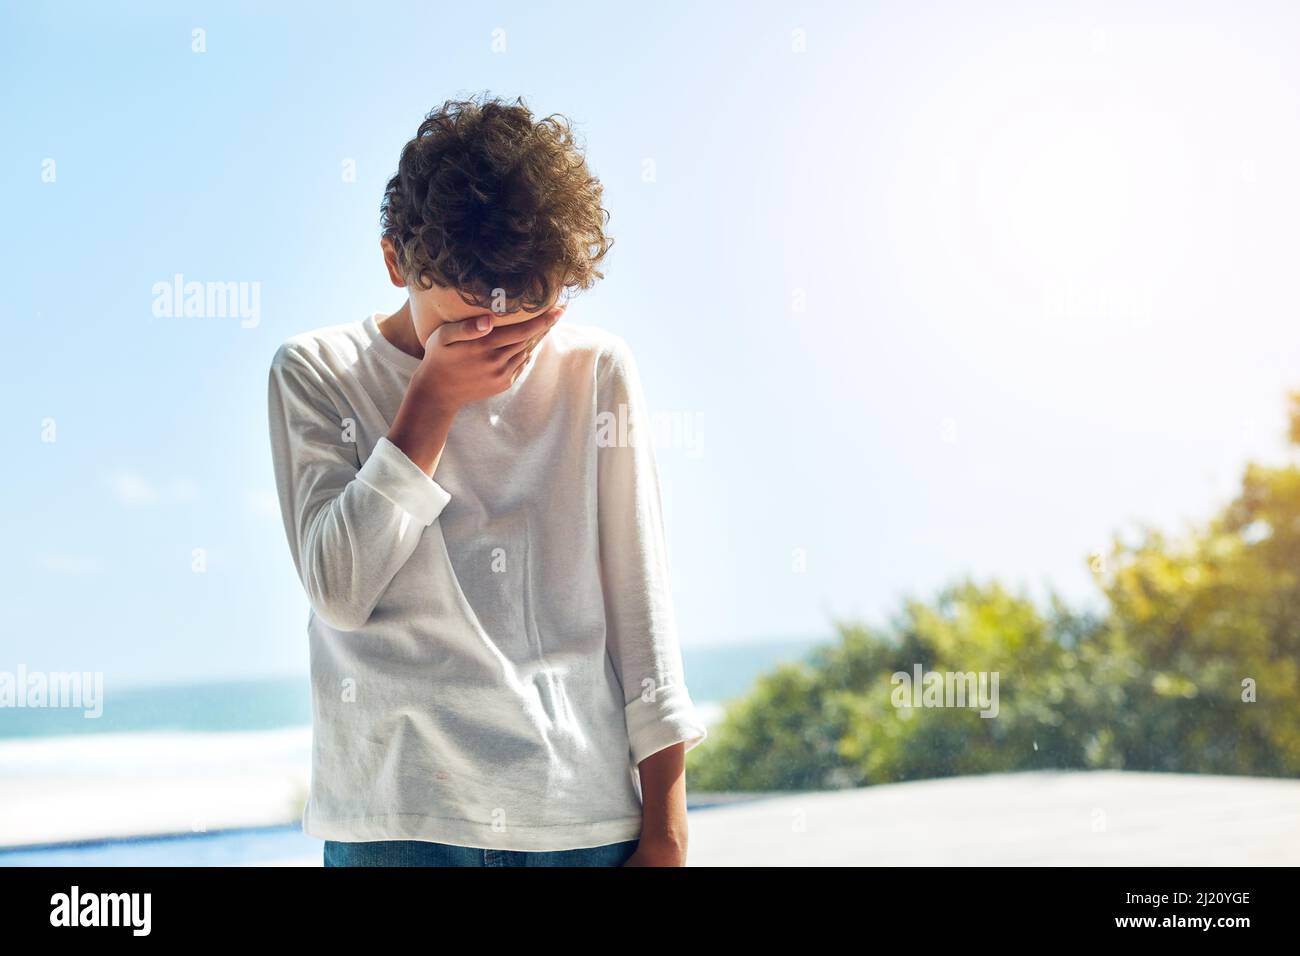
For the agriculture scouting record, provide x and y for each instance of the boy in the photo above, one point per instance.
(496, 678)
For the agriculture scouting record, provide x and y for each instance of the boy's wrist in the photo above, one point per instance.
(664, 832)
(420, 430)
(424, 398)
(663, 838)
(660, 846)
(426, 408)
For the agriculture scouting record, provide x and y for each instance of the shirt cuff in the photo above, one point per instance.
(400, 480)
(669, 719)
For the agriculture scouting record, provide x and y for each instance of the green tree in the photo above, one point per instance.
(1209, 620)
(1193, 667)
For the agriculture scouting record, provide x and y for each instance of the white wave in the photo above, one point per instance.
(97, 786)
(150, 754)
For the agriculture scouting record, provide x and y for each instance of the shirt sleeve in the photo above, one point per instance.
(351, 526)
(641, 630)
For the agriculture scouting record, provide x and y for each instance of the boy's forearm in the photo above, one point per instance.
(663, 808)
(420, 430)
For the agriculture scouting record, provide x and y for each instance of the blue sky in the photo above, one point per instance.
(950, 288)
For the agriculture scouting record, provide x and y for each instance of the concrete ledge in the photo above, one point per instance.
(1105, 818)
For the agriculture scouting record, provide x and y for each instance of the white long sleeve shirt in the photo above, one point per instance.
(493, 650)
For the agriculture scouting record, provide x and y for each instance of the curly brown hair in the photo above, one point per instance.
(488, 201)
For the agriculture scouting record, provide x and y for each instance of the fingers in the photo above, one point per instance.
(528, 345)
(466, 330)
(505, 336)
(515, 364)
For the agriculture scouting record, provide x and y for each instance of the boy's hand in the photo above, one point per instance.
(469, 360)
(462, 363)
(664, 853)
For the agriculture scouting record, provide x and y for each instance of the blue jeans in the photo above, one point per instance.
(424, 853)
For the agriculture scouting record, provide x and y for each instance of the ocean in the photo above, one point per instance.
(213, 772)
(715, 675)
